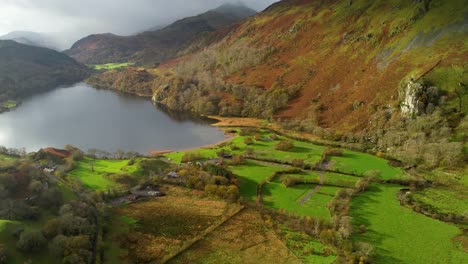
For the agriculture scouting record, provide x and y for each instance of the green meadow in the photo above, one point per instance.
(444, 200)
(358, 163)
(400, 235)
(251, 174)
(110, 66)
(263, 148)
(276, 195)
(9, 104)
(93, 173)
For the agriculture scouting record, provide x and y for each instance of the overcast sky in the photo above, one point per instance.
(83, 17)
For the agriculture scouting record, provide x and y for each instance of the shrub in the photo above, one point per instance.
(237, 160)
(298, 163)
(248, 131)
(284, 145)
(372, 174)
(248, 140)
(334, 152)
(189, 157)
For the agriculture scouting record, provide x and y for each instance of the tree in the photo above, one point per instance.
(233, 193)
(51, 228)
(3, 254)
(211, 189)
(31, 241)
(57, 246)
(35, 186)
(119, 154)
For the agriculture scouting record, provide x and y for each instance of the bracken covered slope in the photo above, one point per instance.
(345, 54)
(337, 62)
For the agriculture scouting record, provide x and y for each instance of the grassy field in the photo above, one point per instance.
(149, 230)
(358, 163)
(307, 248)
(93, 172)
(6, 161)
(444, 200)
(263, 148)
(242, 239)
(251, 175)
(276, 195)
(110, 66)
(400, 235)
(9, 104)
(329, 178)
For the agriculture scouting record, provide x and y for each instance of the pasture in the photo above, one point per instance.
(94, 173)
(242, 239)
(358, 163)
(151, 230)
(110, 66)
(400, 235)
(251, 174)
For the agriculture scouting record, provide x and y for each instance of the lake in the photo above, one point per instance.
(87, 118)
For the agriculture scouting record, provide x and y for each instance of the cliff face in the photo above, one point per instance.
(26, 70)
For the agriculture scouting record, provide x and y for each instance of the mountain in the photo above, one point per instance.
(339, 64)
(44, 40)
(26, 70)
(156, 46)
(392, 76)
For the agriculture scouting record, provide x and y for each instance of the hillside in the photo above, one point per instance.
(356, 71)
(27, 70)
(44, 40)
(153, 47)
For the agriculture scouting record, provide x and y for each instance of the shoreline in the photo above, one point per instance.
(228, 137)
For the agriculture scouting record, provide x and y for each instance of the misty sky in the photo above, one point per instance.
(83, 17)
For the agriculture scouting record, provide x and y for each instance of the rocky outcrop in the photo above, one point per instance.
(418, 99)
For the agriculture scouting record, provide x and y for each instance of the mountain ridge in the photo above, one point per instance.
(152, 47)
(26, 70)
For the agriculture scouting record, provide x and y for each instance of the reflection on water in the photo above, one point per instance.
(90, 118)
(184, 116)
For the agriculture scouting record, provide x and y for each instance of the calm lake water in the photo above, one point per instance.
(90, 118)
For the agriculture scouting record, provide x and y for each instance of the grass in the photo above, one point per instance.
(6, 161)
(251, 174)
(242, 239)
(400, 235)
(110, 66)
(276, 195)
(330, 178)
(152, 229)
(262, 148)
(306, 248)
(93, 172)
(444, 200)
(10, 104)
(358, 163)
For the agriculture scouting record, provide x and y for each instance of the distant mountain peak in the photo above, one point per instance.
(238, 7)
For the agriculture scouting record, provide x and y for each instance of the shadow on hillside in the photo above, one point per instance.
(362, 207)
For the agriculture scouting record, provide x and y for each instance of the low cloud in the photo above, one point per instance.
(76, 19)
